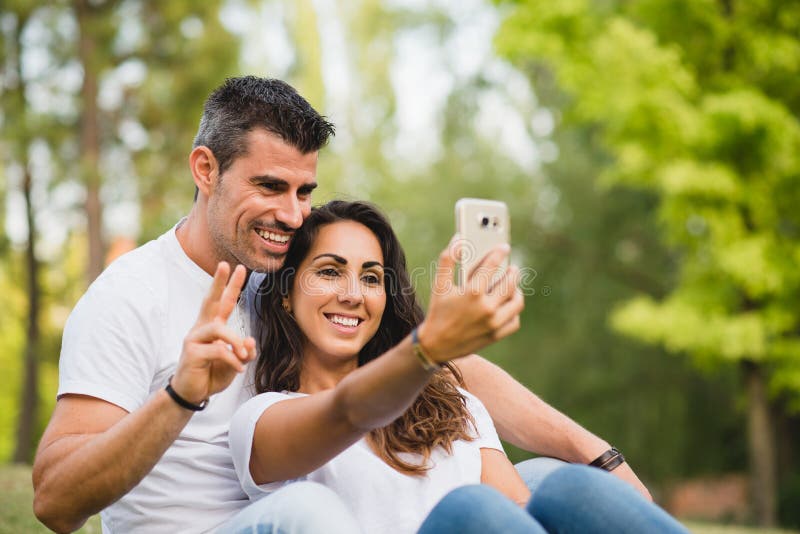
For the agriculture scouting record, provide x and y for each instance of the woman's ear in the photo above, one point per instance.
(205, 169)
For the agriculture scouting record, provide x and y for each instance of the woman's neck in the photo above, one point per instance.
(319, 373)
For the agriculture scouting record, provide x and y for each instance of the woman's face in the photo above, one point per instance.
(338, 294)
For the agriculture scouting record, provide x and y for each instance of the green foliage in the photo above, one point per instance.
(155, 63)
(12, 340)
(683, 103)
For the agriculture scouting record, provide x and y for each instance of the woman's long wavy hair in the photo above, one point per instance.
(438, 417)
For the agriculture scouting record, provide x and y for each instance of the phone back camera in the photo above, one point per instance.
(485, 221)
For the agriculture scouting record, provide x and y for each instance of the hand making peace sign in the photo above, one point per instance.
(212, 352)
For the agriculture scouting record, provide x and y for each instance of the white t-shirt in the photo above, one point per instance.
(121, 343)
(381, 498)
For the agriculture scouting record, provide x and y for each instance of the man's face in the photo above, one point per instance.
(260, 200)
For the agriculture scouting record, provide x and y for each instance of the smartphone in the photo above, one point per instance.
(481, 225)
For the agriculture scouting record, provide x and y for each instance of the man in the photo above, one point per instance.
(135, 366)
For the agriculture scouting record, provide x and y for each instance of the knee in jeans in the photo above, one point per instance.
(535, 470)
(467, 495)
(311, 507)
(584, 482)
(581, 476)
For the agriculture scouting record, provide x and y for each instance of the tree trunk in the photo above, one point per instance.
(90, 137)
(29, 394)
(763, 480)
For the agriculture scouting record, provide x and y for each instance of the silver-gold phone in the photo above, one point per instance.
(481, 225)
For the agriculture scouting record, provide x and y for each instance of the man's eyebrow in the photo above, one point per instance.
(310, 186)
(274, 180)
(268, 179)
(336, 258)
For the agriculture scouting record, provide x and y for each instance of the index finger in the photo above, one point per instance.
(231, 293)
(210, 306)
(443, 278)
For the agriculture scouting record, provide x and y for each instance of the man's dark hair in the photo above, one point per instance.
(242, 104)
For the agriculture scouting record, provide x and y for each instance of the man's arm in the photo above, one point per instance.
(525, 420)
(93, 452)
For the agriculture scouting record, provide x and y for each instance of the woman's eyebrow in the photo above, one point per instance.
(343, 261)
(336, 258)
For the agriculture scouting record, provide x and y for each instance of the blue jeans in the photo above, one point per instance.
(565, 498)
(577, 498)
(298, 508)
(479, 509)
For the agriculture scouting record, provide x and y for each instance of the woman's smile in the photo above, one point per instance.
(344, 322)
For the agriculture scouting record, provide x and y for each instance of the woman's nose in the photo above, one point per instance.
(351, 293)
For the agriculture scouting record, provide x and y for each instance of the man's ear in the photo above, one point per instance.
(205, 169)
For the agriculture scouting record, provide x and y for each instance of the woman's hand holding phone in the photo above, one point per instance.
(466, 317)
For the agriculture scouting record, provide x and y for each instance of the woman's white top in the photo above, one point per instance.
(381, 498)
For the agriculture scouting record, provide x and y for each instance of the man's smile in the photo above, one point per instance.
(277, 238)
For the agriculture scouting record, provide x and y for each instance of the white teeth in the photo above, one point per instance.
(278, 238)
(345, 321)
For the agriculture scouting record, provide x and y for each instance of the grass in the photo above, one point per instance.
(705, 528)
(16, 513)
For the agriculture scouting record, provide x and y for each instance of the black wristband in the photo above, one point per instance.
(609, 460)
(183, 402)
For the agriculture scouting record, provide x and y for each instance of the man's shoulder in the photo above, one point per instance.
(137, 276)
(140, 263)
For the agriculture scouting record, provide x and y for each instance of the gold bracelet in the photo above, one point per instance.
(427, 364)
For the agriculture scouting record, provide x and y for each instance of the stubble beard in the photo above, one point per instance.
(243, 252)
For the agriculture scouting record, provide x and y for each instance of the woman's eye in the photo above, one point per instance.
(372, 279)
(329, 272)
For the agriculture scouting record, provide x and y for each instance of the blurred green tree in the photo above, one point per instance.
(590, 247)
(18, 134)
(697, 103)
(86, 91)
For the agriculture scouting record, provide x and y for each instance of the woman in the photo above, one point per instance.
(393, 435)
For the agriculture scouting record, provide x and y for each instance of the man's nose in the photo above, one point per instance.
(291, 213)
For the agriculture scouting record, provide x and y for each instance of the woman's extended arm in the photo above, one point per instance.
(298, 435)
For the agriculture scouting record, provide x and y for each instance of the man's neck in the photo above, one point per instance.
(195, 240)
